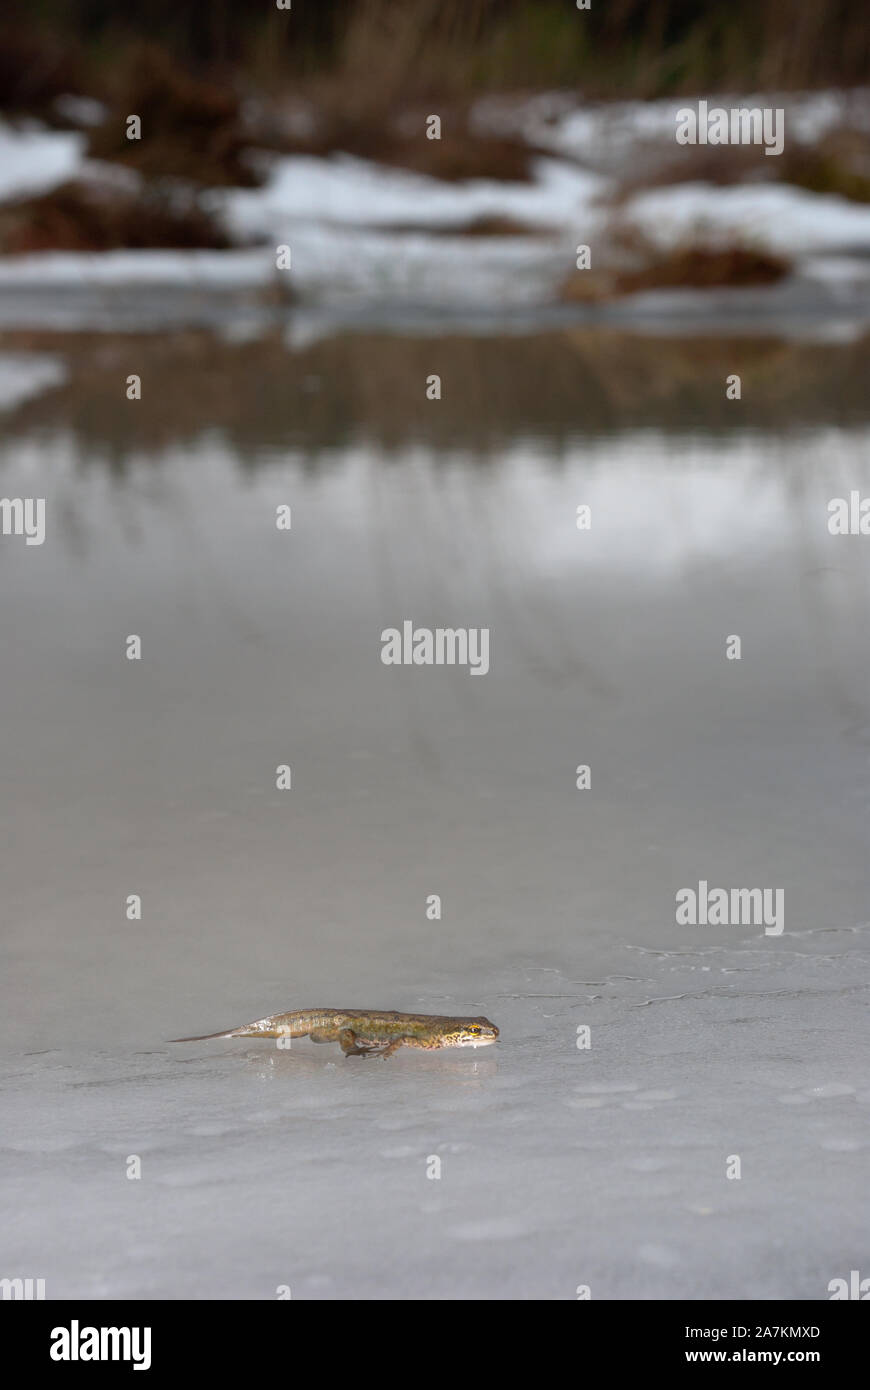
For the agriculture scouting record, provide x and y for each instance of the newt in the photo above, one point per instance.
(366, 1032)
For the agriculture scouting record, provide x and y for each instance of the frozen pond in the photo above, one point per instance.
(561, 1166)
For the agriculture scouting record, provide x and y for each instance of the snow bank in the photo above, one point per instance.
(33, 160)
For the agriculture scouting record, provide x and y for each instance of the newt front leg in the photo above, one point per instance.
(352, 1046)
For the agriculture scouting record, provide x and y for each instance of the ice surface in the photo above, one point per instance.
(560, 1167)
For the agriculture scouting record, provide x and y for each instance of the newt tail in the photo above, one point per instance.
(365, 1032)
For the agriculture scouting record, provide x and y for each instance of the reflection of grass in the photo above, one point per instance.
(550, 387)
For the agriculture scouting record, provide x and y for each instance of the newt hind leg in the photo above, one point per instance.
(350, 1044)
(354, 1046)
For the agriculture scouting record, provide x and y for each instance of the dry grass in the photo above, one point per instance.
(191, 128)
(494, 225)
(396, 135)
(625, 47)
(722, 166)
(36, 66)
(487, 225)
(384, 53)
(81, 217)
(697, 267)
(637, 264)
(839, 164)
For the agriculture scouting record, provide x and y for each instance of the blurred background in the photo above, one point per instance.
(262, 387)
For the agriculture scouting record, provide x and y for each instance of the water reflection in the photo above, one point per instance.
(461, 1070)
(262, 397)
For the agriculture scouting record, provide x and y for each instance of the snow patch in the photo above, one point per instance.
(34, 160)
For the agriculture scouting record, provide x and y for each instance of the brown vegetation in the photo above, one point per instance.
(390, 52)
(839, 164)
(337, 123)
(37, 65)
(637, 265)
(697, 267)
(84, 217)
(191, 128)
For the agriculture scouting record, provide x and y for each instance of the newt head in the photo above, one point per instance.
(472, 1032)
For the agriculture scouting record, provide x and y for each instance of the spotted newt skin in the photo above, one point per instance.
(366, 1032)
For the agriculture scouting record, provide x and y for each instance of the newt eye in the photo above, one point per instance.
(474, 1028)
